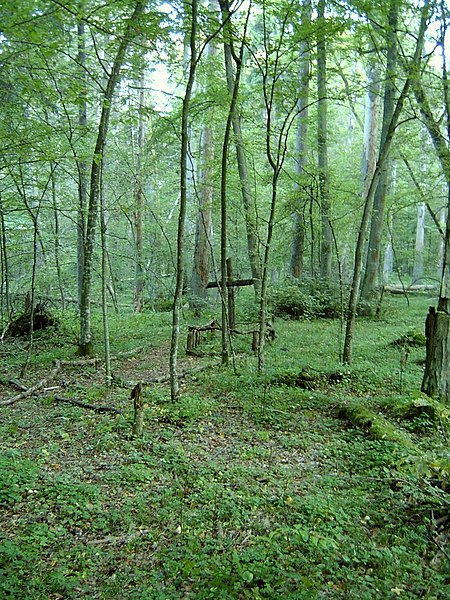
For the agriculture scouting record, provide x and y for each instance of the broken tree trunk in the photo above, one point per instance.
(138, 421)
(436, 380)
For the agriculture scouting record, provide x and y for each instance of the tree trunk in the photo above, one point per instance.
(298, 235)
(232, 112)
(244, 178)
(388, 264)
(139, 198)
(5, 303)
(379, 201)
(436, 379)
(104, 283)
(322, 145)
(85, 341)
(176, 312)
(420, 243)
(370, 137)
(56, 236)
(203, 229)
(412, 69)
(81, 162)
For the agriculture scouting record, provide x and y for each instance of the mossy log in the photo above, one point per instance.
(374, 426)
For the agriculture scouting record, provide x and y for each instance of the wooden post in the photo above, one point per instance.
(138, 422)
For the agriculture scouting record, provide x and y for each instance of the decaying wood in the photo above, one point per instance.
(98, 409)
(194, 334)
(237, 283)
(416, 288)
(34, 388)
(160, 379)
(81, 362)
(138, 403)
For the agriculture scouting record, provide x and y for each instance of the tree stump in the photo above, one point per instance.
(138, 421)
(436, 378)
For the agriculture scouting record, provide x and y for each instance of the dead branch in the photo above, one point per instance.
(34, 388)
(97, 409)
(160, 379)
(81, 362)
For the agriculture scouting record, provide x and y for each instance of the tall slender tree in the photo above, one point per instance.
(379, 200)
(298, 235)
(176, 311)
(322, 144)
(85, 341)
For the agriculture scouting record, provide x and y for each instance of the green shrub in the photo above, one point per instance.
(308, 298)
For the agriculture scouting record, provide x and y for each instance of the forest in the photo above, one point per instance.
(224, 299)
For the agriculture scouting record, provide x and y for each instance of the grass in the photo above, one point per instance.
(243, 489)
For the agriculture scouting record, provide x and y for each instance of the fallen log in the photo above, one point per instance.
(34, 388)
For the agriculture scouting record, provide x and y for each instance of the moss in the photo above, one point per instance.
(411, 339)
(374, 425)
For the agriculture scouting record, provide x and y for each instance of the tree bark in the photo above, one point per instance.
(203, 229)
(420, 243)
(298, 234)
(85, 341)
(6, 309)
(176, 312)
(436, 379)
(244, 178)
(139, 198)
(379, 201)
(229, 52)
(412, 72)
(322, 146)
(81, 162)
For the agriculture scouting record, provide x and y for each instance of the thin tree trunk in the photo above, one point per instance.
(370, 136)
(139, 274)
(412, 71)
(388, 264)
(442, 219)
(85, 341)
(276, 149)
(244, 178)
(203, 229)
(81, 162)
(104, 283)
(6, 308)
(436, 378)
(298, 235)
(420, 243)
(56, 237)
(322, 145)
(379, 201)
(229, 53)
(174, 383)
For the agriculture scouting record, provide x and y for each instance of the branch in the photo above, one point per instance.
(97, 409)
(34, 388)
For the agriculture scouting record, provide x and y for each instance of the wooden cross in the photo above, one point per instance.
(231, 284)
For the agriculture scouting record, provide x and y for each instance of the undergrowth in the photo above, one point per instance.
(250, 487)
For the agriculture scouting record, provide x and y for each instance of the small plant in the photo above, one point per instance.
(17, 475)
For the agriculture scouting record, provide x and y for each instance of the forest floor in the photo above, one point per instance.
(309, 481)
